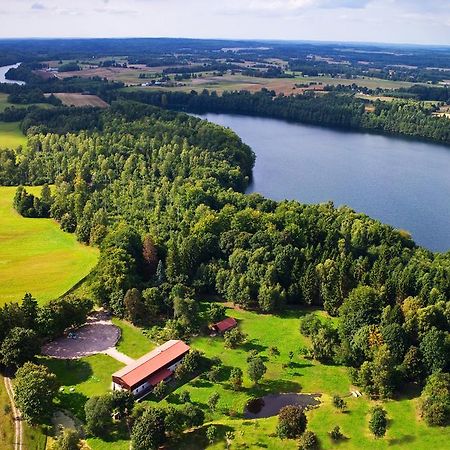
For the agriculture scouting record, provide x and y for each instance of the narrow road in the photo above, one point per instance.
(18, 438)
(114, 353)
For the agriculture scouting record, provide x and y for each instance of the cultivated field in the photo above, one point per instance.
(70, 99)
(11, 136)
(36, 256)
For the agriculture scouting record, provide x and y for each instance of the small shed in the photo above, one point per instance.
(224, 325)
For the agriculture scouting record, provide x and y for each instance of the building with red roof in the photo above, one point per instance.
(224, 325)
(144, 374)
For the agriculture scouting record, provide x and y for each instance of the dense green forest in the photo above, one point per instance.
(397, 117)
(161, 194)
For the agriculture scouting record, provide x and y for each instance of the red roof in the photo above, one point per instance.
(152, 362)
(225, 324)
(159, 376)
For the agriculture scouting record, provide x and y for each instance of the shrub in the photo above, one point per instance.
(339, 402)
(233, 338)
(308, 441)
(336, 433)
(434, 404)
(378, 422)
(291, 422)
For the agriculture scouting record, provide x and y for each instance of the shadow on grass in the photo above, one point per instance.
(196, 439)
(271, 386)
(70, 372)
(253, 345)
(74, 402)
(406, 439)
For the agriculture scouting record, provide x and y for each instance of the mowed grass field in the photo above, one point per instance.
(91, 376)
(70, 99)
(11, 136)
(36, 256)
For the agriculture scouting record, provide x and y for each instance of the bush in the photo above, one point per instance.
(378, 422)
(160, 390)
(339, 402)
(184, 397)
(291, 422)
(336, 433)
(308, 441)
(233, 338)
(434, 403)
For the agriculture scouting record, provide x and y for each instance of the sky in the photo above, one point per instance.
(391, 21)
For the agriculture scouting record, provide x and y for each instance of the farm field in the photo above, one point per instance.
(48, 260)
(90, 376)
(5, 104)
(279, 85)
(70, 99)
(11, 136)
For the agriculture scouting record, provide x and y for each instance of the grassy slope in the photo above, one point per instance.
(36, 256)
(6, 422)
(10, 135)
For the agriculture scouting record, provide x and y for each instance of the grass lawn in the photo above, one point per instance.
(82, 379)
(33, 438)
(11, 136)
(36, 256)
(132, 341)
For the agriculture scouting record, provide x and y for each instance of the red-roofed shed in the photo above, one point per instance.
(224, 325)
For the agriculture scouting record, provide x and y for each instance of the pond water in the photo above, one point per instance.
(5, 69)
(271, 404)
(401, 182)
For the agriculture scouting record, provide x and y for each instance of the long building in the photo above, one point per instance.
(144, 374)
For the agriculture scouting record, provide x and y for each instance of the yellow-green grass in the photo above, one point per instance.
(34, 437)
(6, 420)
(11, 136)
(36, 256)
(81, 379)
(132, 340)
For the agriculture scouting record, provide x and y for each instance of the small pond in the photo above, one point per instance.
(270, 405)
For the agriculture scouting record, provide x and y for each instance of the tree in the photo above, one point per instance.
(211, 434)
(68, 440)
(291, 422)
(308, 441)
(362, 307)
(122, 402)
(324, 343)
(184, 397)
(435, 350)
(216, 312)
(310, 324)
(378, 421)
(160, 390)
(434, 403)
(233, 338)
(256, 369)
(19, 346)
(339, 403)
(148, 431)
(194, 416)
(236, 378)
(150, 256)
(134, 306)
(34, 391)
(412, 366)
(174, 420)
(98, 411)
(213, 400)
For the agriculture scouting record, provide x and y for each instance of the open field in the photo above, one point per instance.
(36, 256)
(11, 136)
(286, 86)
(5, 104)
(91, 376)
(70, 99)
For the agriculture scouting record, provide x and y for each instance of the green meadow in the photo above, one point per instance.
(11, 136)
(37, 256)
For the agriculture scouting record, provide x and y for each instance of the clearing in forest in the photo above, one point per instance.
(36, 256)
(70, 99)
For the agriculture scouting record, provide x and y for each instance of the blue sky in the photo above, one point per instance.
(396, 21)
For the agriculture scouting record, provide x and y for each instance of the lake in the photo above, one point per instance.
(5, 69)
(401, 182)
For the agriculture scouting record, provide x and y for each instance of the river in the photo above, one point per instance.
(5, 69)
(401, 182)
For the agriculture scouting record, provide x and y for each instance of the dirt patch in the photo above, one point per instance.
(90, 339)
(70, 99)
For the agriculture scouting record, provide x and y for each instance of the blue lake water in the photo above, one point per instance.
(4, 69)
(401, 182)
